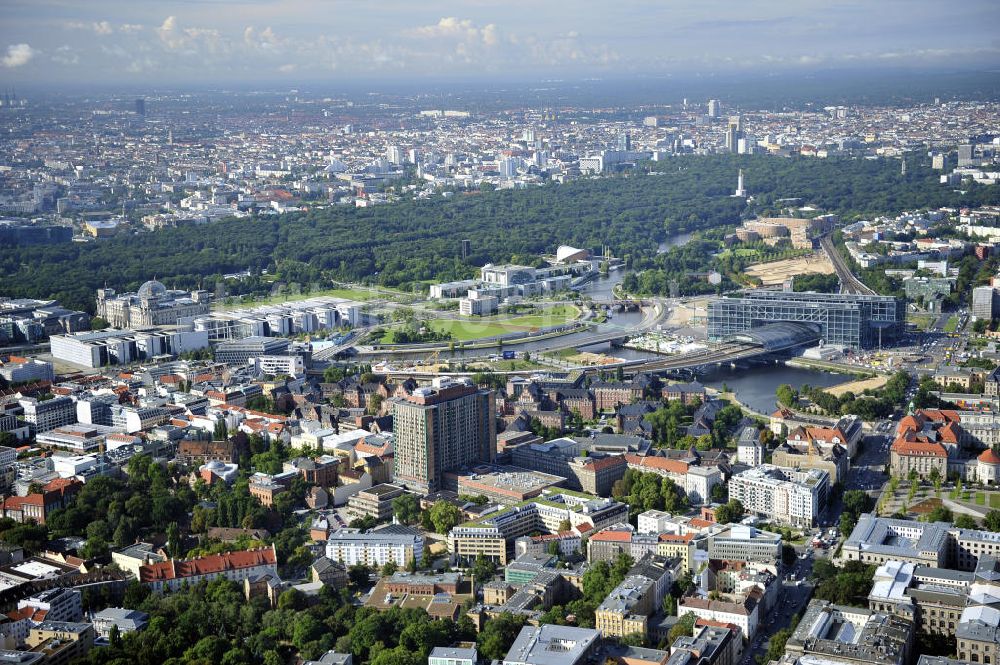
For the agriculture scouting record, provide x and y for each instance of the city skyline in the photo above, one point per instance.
(240, 41)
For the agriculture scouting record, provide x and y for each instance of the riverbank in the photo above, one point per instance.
(827, 366)
(858, 386)
(731, 397)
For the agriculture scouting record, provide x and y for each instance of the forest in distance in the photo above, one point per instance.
(407, 244)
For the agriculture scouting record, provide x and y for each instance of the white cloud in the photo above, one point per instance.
(18, 55)
(263, 40)
(451, 27)
(168, 33)
(65, 55)
(191, 41)
(131, 27)
(98, 27)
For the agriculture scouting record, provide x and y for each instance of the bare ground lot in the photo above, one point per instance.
(777, 272)
(858, 386)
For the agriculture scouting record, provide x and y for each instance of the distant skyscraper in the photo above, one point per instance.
(740, 189)
(965, 153)
(439, 429)
(508, 167)
(466, 249)
(413, 156)
(734, 132)
(939, 162)
(624, 142)
(714, 108)
(140, 107)
(394, 155)
(984, 300)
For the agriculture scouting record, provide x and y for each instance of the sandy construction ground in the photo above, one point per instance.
(777, 272)
(682, 313)
(856, 387)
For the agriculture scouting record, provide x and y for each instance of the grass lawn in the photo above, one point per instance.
(980, 498)
(354, 294)
(348, 294)
(921, 320)
(952, 325)
(463, 331)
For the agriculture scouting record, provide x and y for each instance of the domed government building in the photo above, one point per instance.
(152, 305)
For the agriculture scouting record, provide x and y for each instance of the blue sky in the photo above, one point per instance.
(243, 41)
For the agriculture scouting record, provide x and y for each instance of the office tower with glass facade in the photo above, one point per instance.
(854, 321)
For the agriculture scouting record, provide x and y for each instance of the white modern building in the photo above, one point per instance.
(480, 306)
(24, 370)
(749, 449)
(550, 644)
(58, 604)
(745, 543)
(48, 414)
(453, 656)
(654, 521)
(128, 621)
(377, 547)
(784, 495)
(119, 347)
(292, 366)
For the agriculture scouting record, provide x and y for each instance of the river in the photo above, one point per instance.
(755, 387)
(674, 241)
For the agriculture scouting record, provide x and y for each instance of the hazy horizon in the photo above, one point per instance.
(294, 42)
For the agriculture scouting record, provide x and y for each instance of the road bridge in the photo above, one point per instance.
(762, 341)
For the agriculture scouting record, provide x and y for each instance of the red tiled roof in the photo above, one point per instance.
(825, 433)
(207, 565)
(950, 433)
(910, 423)
(940, 415)
(656, 463)
(21, 614)
(676, 538)
(612, 537)
(601, 463)
(989, 457)
(715, 624)
(910, 444)
(365, 447)
(62, 484)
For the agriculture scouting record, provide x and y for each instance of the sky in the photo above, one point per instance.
(224, 42)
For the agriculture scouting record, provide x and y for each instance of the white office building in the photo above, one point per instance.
(292, 366)
(550, 644)
(784, 495)
(48, 414)
(377, 547)
(119, 347)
